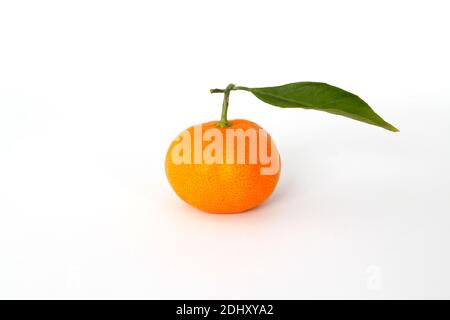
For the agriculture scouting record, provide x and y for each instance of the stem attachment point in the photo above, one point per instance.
(223, 123)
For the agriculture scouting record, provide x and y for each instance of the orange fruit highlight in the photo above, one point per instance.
(228, 187)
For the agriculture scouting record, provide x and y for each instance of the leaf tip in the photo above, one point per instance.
(390, 127)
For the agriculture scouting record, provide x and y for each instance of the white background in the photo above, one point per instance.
(93, 92)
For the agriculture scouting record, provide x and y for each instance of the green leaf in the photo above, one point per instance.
(322, 97)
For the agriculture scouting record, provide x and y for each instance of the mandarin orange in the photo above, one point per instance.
(218, 181)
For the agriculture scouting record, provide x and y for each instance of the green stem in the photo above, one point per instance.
(233, 89)
(223, 123)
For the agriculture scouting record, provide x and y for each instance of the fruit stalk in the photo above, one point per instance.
(223, 123)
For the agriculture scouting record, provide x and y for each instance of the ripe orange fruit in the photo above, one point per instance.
(227, 187)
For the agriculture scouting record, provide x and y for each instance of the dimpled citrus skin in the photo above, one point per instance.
(221, 188)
